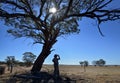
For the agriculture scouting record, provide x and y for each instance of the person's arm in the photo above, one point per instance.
(53, 60)
(58, 57)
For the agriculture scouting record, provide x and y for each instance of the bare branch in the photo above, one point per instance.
(41, 8)
(14, 4)
(28, 5)
(68, 8)
(104, 4)
(7, 15)
(100, 30)
(60, 1)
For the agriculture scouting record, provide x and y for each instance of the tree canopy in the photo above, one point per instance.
(29, 58)
(99, 62)
(32, 19)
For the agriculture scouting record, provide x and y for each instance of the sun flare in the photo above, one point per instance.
(52, 10)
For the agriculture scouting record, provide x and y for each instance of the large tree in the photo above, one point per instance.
(35, 19)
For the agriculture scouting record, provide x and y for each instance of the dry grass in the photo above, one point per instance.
(109, 74)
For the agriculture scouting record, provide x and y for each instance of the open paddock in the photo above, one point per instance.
(107, 74)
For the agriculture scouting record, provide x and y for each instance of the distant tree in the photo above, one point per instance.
(84, 64)
(94, 63)
(2, 62)
(29, 58)
(10, 61)
(81, 63)
(102, 62)
(16, 62)
(34, 19)
(99, 62)
(22, 63)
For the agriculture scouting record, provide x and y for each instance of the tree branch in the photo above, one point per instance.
(14, 4)
(68, 8)
(28, 5)
(7, 15)
(41, 8)
(104, 4)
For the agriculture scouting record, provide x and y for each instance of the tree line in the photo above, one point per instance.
(27, 60)
(99, 62)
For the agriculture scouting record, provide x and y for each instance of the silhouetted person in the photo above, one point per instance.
(56, 65)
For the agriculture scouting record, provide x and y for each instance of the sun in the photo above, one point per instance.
(52, 10)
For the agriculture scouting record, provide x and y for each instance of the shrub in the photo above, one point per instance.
(2, 70)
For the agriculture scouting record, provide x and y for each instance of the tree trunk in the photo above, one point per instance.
(46, 50)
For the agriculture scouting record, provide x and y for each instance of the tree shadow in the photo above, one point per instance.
(41, 77)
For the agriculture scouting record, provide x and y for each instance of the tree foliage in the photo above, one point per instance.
(84, 63)
(32, 19)
(10, 61)
(29, 58)
(99, 62)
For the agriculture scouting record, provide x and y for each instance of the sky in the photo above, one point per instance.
(87, 45)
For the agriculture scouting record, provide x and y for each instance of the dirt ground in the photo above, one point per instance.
(107, 74)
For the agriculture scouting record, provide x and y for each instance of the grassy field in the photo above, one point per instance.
(108, 74)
